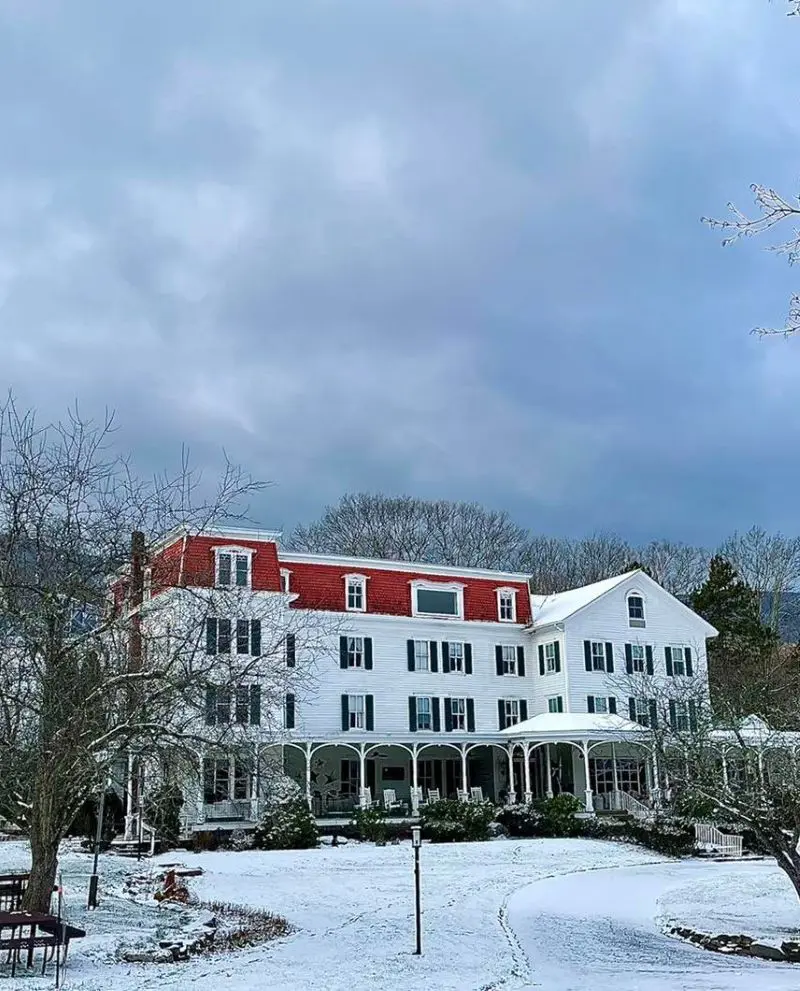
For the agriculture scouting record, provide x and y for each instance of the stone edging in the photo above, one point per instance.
(740, 945)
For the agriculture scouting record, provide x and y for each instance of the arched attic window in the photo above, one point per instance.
(636, 616)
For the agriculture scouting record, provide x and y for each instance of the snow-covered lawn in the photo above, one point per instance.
(503, 915)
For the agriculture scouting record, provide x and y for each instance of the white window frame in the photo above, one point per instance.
(511, 710)
(550, 658)
(642, 711)
(552, 703)
(356, 712)
(233, 551)
(682, 717)
(638, 664)
(429, 727)
(427, 586)
(636, 623)
(418, 652)
(286, 581)
(355, 652)
(458, 714)
(359, 582)
(457, 668)
(603, 700)
(509, 655)
(602, 644)
(510, 597)
(678, 659)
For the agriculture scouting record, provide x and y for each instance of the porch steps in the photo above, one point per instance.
(132, 848)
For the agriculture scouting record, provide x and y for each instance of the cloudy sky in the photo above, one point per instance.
(445, 247)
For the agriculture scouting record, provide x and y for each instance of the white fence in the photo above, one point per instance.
(709, 838)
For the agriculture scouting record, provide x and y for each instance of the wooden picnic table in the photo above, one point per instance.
(30, 930)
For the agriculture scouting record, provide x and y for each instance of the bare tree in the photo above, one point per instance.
(85, 682)
(768, 563)
(679, 568)
(551, 564)
(404, 528)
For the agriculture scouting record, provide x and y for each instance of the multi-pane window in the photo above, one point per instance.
(512, 711)
(600, 704)
(355, 652)
(422, 655)
(456, 655)
(680, 718)
(598, 655)
(233, 569)
(225, 779)
(220, 636)
(636, 611)
(223, 705)
(506, 605)
(240, 704)
(641, 712)
(424, 719)
(550, 657)
(355, 705)
(509, 655)
(356, 594)
(555, 703)
(458, 713)
(637, 658)
(678, 661)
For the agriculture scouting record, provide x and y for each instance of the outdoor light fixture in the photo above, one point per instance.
(416, 843)
(416, 836)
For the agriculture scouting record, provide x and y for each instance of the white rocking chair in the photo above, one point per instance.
(476, 794)
(462, 796)
(433, 795)
(390, 800)
(366, 799)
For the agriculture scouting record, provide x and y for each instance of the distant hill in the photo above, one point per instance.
(788, 616)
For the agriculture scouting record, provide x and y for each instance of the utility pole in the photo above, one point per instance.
(94, 880)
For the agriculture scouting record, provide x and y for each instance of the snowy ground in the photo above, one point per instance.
(507, 915)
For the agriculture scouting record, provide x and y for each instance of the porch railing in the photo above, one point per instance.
(712, 840)
(623, 801)
(230, 810)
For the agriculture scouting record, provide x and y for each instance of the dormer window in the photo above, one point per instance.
(234, 568)
(286, 581)
(439, 600)
(507, 605)
(355, 593)
(636, 610)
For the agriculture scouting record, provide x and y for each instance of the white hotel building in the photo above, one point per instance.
(435, 679)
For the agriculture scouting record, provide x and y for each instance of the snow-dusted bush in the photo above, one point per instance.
(370, 824)
(287, 825)
(450, 821)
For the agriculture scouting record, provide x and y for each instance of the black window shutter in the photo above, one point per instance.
(343, 653)
(610, 657)
(612, 705)
(224, 636)
(412, 714)
(211, 705)
(557, 647)
(501, 713)
(345, 714)
(291, 648)
(673, 718)
(445, 657)
(590, 703)
(692, 715)
(211, 636)
(653, 714)
(242, 636)
(410, 652)
(255, 705)
(448, 716)
(498, 658)
(523, 710)
(668, 660)
(255, 637)
(290, 712)
(437, 723)
(368, 653)
(369, 710)
(587, 654)
(560, 704)
(688, 655)
(470, 715)
(467, 658)
(648, 653)
(632, 710)
(521, 661)
(628, 659)
(541, 659)
(434, 655)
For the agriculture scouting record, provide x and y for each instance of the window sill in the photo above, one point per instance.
(637, 624)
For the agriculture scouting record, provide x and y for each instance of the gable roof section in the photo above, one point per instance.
(549, 609)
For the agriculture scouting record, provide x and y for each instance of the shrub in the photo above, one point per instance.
(557, 816)
(668, 836)
(287, 825)
(520, 820)
(450, 821)
(370, 824)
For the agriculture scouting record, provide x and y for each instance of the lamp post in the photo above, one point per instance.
(416, 842)
(98, 836)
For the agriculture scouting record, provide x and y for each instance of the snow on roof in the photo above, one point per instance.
(574, 725)
(557, 607)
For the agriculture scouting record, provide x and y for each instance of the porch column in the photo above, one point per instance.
(589, 805)
(129, 799)
(512, 791)
(464, 782)
(526, 753)
(655, 791)
(414, 781)
(362, 776)
(255, 784)
(308, 776)
(548, 772)
(614, 775)
(724, 770)
(761, 772)
(201, 790)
